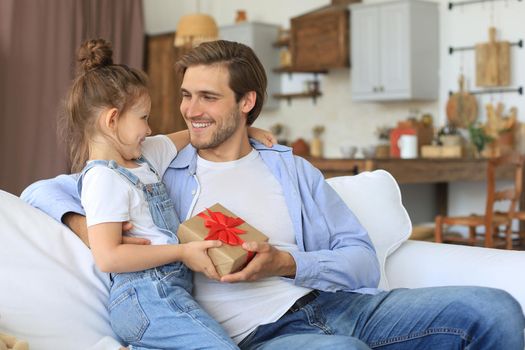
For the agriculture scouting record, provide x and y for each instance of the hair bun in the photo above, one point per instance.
(93, 54)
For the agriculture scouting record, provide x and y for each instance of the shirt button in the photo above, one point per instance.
(193, 192)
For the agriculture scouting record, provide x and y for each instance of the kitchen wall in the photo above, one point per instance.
(355, 123)
(345, 121)
(465, 26)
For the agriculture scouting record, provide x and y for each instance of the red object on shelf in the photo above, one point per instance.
(395, 134)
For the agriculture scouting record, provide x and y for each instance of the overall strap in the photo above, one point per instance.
(126, 174)
(142, 160)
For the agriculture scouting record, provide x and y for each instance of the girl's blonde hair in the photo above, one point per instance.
(99, 84)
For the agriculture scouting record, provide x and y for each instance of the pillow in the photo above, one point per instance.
(51, 294)
(375, 199)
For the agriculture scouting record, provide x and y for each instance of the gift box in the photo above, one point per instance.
(218, 223)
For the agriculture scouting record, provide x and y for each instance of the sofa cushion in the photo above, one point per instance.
(52, 295)
(375, 199)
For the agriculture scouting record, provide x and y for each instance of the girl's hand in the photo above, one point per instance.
(195, 257)
(263, 136)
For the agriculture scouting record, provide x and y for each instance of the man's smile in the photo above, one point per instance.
(200, 125)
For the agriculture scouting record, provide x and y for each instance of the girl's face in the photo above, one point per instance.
(133, 128)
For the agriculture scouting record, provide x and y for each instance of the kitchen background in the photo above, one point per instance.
(355, 123)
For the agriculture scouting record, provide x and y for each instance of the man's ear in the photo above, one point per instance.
(248, 101)
(109, 119)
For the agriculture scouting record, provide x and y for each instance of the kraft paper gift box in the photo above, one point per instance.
(218, 223)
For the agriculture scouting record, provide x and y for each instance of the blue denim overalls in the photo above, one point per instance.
(154, 308)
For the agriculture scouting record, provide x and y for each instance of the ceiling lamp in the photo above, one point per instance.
(195, 29)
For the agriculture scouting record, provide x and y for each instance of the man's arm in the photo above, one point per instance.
(77, 224)
(339, 254)
(58, 197)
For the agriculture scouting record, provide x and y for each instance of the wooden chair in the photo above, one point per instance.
(519, 216)
(494, 222)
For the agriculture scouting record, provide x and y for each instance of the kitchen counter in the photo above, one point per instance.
(419, 170)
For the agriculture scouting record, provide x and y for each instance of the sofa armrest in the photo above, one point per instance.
(423, 264)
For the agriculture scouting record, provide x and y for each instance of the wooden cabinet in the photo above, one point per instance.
(394, 51)
(161, 56)
(319, 39)
(259, 36)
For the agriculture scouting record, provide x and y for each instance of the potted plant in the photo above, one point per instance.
(479, 138)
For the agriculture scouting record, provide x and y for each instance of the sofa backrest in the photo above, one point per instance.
(375, 199)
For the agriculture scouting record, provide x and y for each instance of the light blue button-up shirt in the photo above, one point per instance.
(335, 251)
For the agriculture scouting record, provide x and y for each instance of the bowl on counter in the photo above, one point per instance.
(348, 151)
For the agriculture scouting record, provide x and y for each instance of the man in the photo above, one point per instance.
(314, 284)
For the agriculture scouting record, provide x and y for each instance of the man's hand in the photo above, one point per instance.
(268, 261)
(126, 226)
(77, 224)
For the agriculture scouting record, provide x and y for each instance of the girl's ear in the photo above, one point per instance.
(248, 101)
(109, 119)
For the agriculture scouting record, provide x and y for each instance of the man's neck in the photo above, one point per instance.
(231, 149)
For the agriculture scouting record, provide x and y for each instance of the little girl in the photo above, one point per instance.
(106, 119)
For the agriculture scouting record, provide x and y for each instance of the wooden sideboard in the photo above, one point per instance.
(406, 171)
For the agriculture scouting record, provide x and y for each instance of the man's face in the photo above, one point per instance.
(209, 108)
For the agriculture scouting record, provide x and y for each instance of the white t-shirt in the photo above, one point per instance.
(108, 197)
(247, 188)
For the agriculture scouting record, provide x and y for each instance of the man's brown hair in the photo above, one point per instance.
(246, 71)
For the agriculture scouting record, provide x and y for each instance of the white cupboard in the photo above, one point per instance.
(394, 51)
(259, 36)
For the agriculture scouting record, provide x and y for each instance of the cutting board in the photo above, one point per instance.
(462, 107)
(493, 62)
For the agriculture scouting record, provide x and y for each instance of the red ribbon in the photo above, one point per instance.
(223, 228)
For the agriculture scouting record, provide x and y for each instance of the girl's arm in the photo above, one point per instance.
(111, 255)
(182, 138)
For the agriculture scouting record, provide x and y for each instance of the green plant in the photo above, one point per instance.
(478, 136)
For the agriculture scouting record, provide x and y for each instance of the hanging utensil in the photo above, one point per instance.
(493, 62)
(462, 107)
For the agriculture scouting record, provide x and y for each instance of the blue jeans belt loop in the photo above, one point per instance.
(303, 301)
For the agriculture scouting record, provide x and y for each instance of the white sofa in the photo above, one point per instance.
(52, 295)
(376, 200)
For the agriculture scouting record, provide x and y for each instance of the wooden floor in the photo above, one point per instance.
(425, 232)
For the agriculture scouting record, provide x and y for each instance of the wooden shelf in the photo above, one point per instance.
(289, 96)
(282, 43)
(299, 70)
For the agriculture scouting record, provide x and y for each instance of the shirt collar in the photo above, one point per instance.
(187, 157)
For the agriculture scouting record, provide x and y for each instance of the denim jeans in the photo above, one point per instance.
(426, 318)
(154, 309)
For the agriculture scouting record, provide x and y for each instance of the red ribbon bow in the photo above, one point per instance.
(222, 227)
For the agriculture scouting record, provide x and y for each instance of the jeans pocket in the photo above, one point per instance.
(166, 216)
(128, 319)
